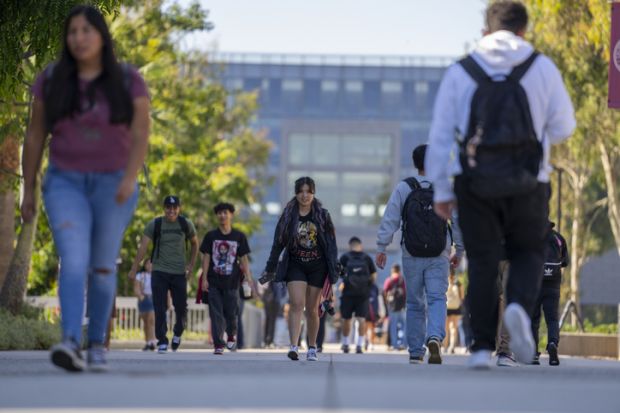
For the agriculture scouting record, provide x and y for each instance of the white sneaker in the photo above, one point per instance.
(480, 360)
(311, 355)
(519, 327)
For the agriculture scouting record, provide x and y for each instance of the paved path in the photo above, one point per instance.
(197, 380)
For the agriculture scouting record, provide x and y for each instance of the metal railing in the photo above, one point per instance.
(127, 316)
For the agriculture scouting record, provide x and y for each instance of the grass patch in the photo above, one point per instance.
(138, 335)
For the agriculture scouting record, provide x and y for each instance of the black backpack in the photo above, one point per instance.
(555, 257)
(500, 154)
(424, 232)
(157, 234)
(396, 297)
(357, 279)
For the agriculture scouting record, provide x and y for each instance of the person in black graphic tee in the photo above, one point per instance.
(304, 254)
(225, 261)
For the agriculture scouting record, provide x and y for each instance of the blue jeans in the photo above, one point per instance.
(397, 324)
(87, 225)
(427, 282)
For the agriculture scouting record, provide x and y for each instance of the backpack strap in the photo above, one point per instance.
(413, 183)
(474, 70)
(156, 238)
(520, 70)
(184, 226)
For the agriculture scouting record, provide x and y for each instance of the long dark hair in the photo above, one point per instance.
(290, 216)
(62, 97)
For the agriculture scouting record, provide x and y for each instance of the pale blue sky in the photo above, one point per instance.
(357, 27)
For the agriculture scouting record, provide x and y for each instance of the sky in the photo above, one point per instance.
(349, 27)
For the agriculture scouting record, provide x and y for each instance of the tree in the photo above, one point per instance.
(30, 37)
(575, 33)
(201, 147)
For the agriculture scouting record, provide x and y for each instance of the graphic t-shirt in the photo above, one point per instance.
(172, 256)
(87, 141)
(308, 252)
(225, 251)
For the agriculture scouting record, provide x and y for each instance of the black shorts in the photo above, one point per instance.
(314, 274)
(456, 311)
(353, 304)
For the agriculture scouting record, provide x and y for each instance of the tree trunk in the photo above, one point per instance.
(9, 162)
(613, 197)
(578, 250)
(14, 288)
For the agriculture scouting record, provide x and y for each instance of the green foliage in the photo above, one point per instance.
(201, 146)
(29, 330)
(575, 34)
(137, 334)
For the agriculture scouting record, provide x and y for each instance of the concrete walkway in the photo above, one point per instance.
(196, 380)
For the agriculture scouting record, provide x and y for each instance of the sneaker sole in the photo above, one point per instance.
(435, 352)
(293, 355)
(62, 357)
(521, 341)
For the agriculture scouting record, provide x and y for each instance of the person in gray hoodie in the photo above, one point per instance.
(495, 208)
(426, 275)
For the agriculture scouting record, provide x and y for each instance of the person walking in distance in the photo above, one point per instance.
(549, 297)
(455, 297)
(395, 298)
(304, 253)
(359, 276)
(427, 257)
(144, 292)
(225, 261)
(97, 112)
(171, 268)
(506, 104)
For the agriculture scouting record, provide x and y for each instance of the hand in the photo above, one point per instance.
(444, 209)
(125, 190)
(381, 259)
(455, 260)
(28, 205)
(140, 297)
(132, 274)
(205, 284)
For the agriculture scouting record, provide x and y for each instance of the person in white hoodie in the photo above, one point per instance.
(503, 208)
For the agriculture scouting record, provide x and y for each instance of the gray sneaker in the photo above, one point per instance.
(96, 358)
(506, 360)
(311, 355)
(517, 323)
(67, 355)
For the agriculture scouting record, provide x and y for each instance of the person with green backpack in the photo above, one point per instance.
(171, 268)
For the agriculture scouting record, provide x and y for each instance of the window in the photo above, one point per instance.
(352, 172)
(292, 85)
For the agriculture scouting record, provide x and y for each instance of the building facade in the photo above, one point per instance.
(350, 123)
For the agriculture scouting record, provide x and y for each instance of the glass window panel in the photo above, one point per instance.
(353, 86)
(391, 87)
(368, 210)
(299, 146)
(329, 86)
(292, 85)
(325, 150)
(367, 150)
(348, 210)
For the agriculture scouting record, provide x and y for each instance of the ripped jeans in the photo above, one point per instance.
(88, 226)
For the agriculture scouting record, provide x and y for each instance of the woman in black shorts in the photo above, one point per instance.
(304, 254)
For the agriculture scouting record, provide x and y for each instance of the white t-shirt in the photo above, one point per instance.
(145, 279)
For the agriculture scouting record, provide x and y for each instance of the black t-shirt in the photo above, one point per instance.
(359, 255)
(225, 250)
(308, 251)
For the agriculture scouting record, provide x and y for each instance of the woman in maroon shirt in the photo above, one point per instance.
(97, 112)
